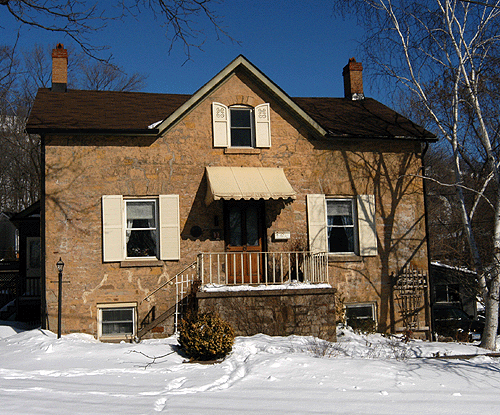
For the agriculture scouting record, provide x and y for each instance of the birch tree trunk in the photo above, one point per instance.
(441, 51)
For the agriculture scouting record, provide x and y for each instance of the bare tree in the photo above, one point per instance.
(100, 76)
(80, 19)
(83, 73)
(443, 52)
(19, 163)
(21, 76)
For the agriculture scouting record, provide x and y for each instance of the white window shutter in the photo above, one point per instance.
(112, 228)
(316, 220)
(169, 227)
(262, 115)
(366, 225)
(220, 122)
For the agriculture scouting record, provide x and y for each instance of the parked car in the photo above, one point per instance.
(451, 321)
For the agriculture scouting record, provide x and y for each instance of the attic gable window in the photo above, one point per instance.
(241, 126)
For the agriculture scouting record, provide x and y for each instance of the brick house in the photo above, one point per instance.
(238, 184)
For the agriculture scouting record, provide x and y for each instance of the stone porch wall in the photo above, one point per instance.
(305, 312)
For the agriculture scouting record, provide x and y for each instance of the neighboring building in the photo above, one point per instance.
(454, 286)
(9, 238)
(239, 180)
(9, 265)
(28, 301)
(20, 296)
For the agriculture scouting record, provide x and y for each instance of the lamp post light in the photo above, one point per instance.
(60, 267)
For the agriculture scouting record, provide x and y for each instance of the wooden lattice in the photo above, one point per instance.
(409, 290)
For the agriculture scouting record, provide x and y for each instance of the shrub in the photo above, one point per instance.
(206, 337)
(340, 310)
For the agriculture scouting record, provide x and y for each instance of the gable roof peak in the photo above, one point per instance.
(258, 76)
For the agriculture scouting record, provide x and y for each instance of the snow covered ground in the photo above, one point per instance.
(40, 374)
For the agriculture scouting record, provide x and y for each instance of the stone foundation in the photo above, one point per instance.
(305, 312)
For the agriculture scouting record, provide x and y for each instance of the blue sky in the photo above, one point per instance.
(300, 45)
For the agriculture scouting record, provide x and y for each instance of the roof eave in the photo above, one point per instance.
(150, 132)
(382, 137)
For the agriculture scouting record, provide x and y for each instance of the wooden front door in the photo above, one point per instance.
(244, 221)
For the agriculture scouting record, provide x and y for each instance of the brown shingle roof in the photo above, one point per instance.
(106, 111)
(100, 110)
(363, 118)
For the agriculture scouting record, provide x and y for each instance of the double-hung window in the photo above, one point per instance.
(341, 230)
(141, 228)
(242, 130)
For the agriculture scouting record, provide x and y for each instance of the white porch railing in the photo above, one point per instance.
(233, 268)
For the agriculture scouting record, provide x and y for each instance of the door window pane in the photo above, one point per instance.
(235, 234)
(243, 224)
(252, 225)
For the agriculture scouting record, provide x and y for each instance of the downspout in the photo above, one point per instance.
(43, 279)
(427, 300)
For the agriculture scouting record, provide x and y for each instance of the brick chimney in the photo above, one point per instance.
(59, 68)
(353, 80)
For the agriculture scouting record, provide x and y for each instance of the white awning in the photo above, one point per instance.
(247, 183)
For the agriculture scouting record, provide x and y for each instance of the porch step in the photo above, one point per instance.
(160, 319)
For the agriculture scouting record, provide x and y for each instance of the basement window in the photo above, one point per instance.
(361, 316)
(117, 321)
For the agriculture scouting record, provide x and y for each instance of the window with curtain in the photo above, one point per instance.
(141, 228)
(340, 225)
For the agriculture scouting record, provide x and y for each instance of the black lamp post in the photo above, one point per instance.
(60, 267)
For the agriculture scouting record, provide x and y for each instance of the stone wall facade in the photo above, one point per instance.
(80, 169)
(303, 312)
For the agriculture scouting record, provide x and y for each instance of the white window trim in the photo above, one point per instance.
(252, 125)
(157, 228)
(354, 225)
(100, 307)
